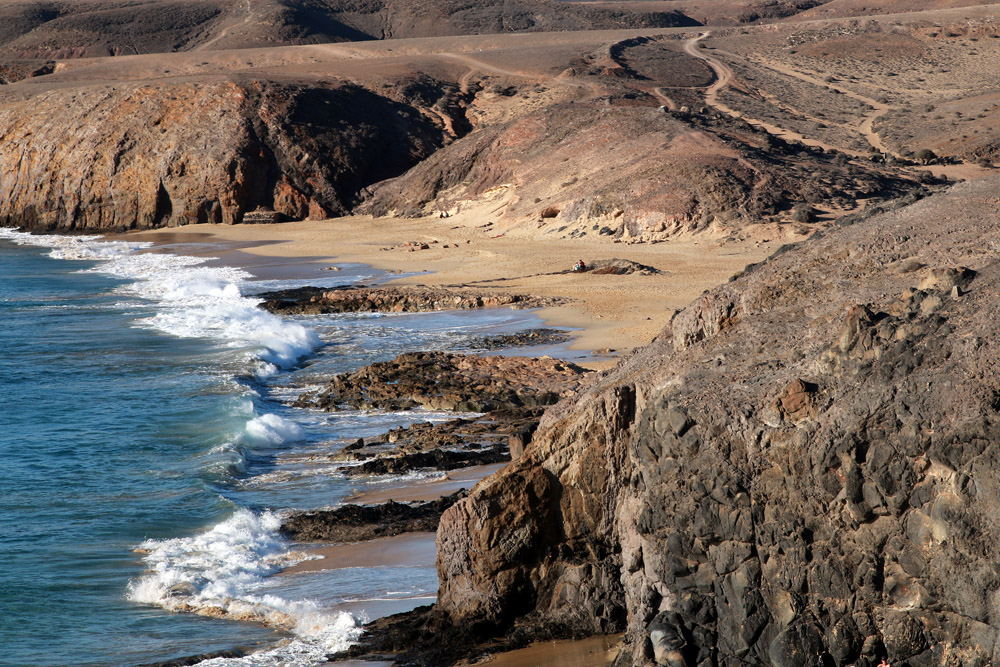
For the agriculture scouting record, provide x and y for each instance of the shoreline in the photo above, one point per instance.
(611, 314)
(608, 313)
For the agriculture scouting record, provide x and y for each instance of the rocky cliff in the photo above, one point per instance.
(171, 152)
(800, 470)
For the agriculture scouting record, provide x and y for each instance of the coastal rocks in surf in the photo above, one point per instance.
(321, 301)
(458, 443)
(356, 523)
(446, 381)
(529, 338)
(799, 470)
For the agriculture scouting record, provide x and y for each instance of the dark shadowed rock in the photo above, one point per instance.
(355, 523)
(181, 152)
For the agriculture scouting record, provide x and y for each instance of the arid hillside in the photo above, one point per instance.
(630, 135)
(888, 86)
(90, 28)
(608, 134)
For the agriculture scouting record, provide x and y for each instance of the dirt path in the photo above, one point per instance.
(663, 98)
(225, 32)
(726, 79)
(866, 127)
(475, 65)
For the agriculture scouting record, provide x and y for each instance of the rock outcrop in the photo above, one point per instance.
(356, 523)
(325, 300)
(169, 153)
(445, 381)
(801, 469)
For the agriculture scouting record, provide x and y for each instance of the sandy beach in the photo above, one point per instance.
(612, 312)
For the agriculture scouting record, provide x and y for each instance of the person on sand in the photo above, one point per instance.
(580, 266)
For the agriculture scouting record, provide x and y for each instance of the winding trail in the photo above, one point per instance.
(726, 79)
(866, 128)
(225, 31)
(474, 65)
(663, 98)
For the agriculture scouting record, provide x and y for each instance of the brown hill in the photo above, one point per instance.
(88, 28)
(567, 133)
(149, 154)
(849, 8)
(595, 151)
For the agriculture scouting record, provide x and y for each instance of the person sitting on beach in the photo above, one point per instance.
(580, 266)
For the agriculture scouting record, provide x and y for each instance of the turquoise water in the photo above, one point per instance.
(148, 454)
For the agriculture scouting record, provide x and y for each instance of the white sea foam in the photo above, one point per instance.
(191, 300)
(273, 430)
(260, 432)
(222, 572)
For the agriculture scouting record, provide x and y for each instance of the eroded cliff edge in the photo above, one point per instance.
(799, 470)
(137, 155)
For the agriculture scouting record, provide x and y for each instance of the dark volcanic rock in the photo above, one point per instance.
(801, 469)
(320, 300)
(438, 459)
(355, 523)
(444, 381)
(527, 338)
(490, 430)
(458, 443)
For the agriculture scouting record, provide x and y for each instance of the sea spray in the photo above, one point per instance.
(190, 300)
(222, 572)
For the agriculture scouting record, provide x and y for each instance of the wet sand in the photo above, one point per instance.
(425, 490)
(408, 549)
(591, 652)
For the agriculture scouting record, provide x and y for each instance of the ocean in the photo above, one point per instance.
(149, 452)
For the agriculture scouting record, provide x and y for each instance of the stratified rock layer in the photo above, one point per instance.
(135, 156)
(800, 470)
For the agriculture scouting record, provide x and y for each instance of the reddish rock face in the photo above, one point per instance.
(800, 470)
(136, 156)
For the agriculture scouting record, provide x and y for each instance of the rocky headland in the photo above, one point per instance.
(172, 153)
(797, 471)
